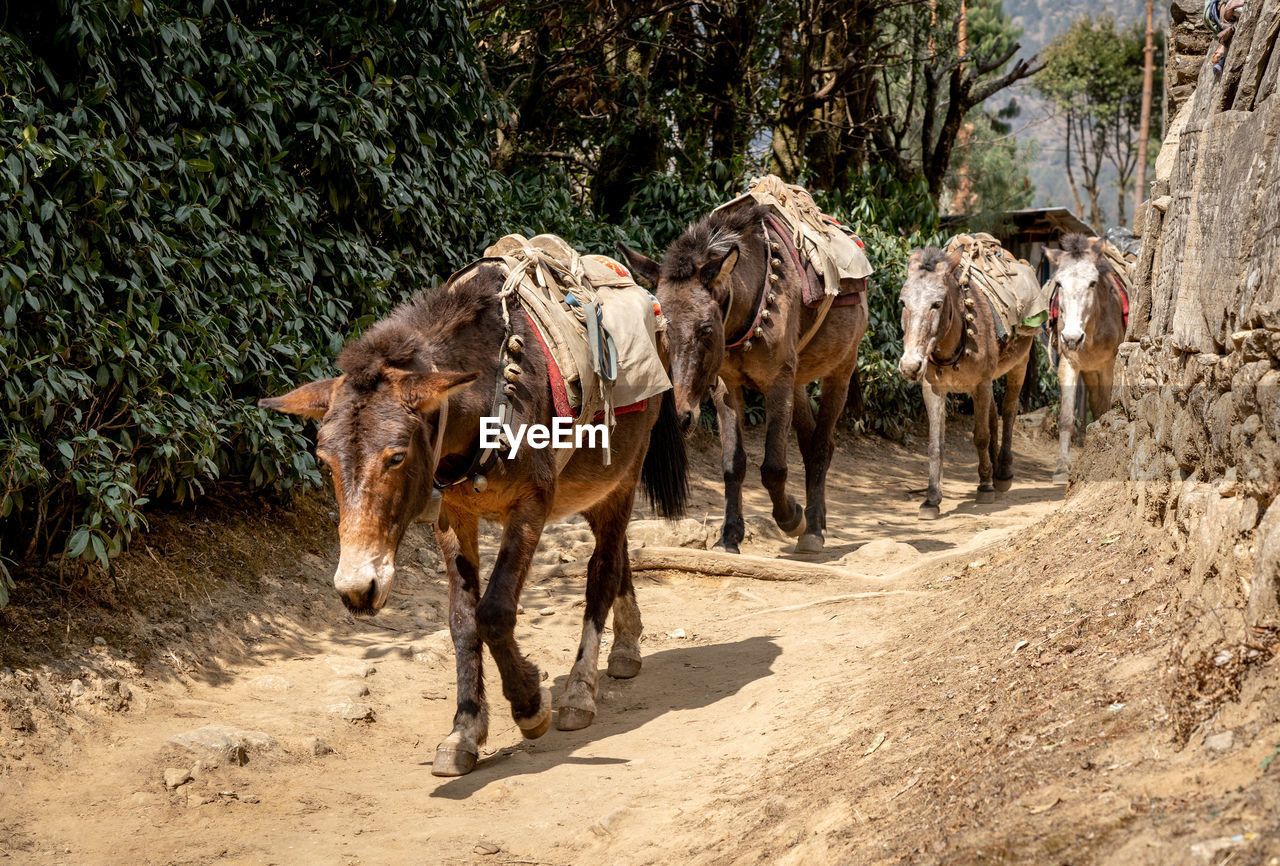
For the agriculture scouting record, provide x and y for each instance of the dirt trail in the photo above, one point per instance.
(744, 683)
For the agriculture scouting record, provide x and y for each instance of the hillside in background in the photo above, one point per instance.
(1041, 20)
(1036, 126)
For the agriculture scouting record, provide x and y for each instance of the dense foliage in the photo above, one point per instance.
(197, 204)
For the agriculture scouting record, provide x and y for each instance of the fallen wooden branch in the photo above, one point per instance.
(713, 563)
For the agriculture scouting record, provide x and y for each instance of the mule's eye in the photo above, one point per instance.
(936, 305)
(395, 460)
(705, 330)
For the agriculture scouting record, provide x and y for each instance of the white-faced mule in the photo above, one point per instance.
(1089, 315)
(400, 435)
(950, 344)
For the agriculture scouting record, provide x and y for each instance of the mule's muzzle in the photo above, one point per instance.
(361, 603)
(1072, 340)
(365, 585)
(911, 368)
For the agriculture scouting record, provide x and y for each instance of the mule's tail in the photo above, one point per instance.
(1030, 382)
(666, 466)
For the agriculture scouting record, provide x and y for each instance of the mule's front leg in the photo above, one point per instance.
(1068, 379)
(778, 400)
(730, 414)
(496, 614)
(983, 437)
(935, 406)
(608, 522)
(460, 547)
(1100, 391)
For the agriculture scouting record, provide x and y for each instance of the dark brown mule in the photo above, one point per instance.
(939, 351)
(1089, 326)
(380, 438)
(729, 317)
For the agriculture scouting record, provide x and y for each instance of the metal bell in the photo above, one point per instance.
(480, 484)
(515, 345)
(968, 317)
(968, 302)
(971, 332)
(773, 299)
(746, 347)
(764, 315)
(775, 263)
(511, 373)
(759, 332)
(773, 278)
(509, 389)
(775, 246)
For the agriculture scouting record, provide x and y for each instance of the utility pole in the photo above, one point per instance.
(964, 183)
(1144, 124)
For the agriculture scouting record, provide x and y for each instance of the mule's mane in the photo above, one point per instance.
(415, 332)
(1078, 246)
(931, 257)
(708, 239)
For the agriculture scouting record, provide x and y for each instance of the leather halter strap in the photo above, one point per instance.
(762, 303)
(954, 360)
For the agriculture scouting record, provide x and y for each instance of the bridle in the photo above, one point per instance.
(762, 303)
(483, 458)
(953, 360)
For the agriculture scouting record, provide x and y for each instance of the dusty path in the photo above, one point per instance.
(739, 678)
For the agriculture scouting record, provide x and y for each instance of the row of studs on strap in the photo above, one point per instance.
(969, 320)
(511, 373)
(771, 298)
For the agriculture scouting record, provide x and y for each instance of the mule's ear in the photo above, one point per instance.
(715, 273)
(422, 392)
(310, 400)
(953, 260)
(1098, 246)
(644, 267)
(1054, 257)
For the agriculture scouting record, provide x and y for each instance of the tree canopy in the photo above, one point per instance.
(1093, 77)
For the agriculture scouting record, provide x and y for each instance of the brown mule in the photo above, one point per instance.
(1088, 327)
(947, 353)
(736, 312)
(403, 423)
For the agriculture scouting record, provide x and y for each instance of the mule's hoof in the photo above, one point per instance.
(986, 497)
(810, 543)
(574, 719)
(798, 526)
(1004, 484)
(453, 761)
(538, 725)
(930, 512)
(1061, 477)
(623, 667)
(721, 547)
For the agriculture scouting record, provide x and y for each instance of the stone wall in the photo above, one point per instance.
(1199, 383)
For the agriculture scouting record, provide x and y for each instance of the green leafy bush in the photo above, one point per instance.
(198, 203)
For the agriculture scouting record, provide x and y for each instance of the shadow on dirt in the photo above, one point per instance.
(703, 674)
